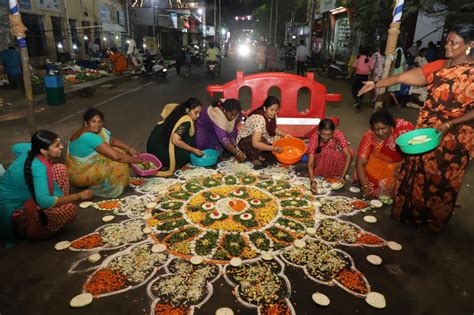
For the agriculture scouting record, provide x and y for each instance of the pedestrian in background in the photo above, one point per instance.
(11, 61)
(376, 70)
(94, 48)
(362, 65)
(179, 58)
(260, 56)
(301, 55)
(398, 67)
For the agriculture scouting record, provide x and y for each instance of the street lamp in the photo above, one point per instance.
(223, 31)
(85, 37)
(200, 11)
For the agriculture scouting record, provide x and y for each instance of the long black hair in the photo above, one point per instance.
(382, 116)
(325, 124)
(41, 139)
(177, 113)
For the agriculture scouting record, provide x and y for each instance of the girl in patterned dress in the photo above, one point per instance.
(329, 153)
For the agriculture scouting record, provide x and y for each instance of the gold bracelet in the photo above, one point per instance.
(450, 125)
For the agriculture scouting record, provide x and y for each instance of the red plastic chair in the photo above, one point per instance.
(290, 120)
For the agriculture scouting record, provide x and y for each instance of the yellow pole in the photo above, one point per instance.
(18, 30)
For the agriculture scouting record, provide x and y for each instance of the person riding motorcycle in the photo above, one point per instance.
(213, 55)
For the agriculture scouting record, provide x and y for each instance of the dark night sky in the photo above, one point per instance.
(238, 7)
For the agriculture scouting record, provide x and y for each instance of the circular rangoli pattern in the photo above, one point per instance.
(244, 227)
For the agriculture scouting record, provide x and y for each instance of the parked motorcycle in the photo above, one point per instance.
(197, 58)
(153, 67)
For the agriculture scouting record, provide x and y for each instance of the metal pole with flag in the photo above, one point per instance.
(391, 47)
(18, 30)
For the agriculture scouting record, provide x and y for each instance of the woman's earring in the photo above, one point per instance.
(468, 51)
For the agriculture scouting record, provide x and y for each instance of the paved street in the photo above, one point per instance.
(431, 275)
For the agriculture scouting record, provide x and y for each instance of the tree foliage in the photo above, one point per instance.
(367, 15)
(287, 9)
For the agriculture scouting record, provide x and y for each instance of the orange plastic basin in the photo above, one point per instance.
(293, 150)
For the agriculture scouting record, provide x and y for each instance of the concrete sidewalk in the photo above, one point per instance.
(15, 100)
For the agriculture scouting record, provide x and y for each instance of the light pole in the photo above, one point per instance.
(68, 30)
(271, 22)
(215, 20)
(276, 20)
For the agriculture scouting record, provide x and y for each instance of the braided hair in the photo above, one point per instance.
(41, 139)
(325, 124)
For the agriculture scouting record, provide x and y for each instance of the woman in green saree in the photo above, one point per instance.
(173, 138)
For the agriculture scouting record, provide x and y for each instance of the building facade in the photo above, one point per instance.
(60, 27)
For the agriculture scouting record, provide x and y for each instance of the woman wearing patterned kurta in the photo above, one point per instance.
(430, 182)
(216, 128)
(260, 131)
(329, 153)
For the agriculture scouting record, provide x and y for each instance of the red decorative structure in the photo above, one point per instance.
(289, 120)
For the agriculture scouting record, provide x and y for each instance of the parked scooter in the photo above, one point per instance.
(153, 67)
(338, 70)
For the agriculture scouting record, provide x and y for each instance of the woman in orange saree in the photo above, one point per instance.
(430, 182)
(378, 159)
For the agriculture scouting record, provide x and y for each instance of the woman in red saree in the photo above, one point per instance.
(378, 158)
(430, 182)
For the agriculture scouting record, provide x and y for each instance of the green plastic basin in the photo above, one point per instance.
(407, 148)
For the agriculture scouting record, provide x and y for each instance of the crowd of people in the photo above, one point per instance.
(35, 199)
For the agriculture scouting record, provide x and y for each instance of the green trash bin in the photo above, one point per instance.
(54, 87)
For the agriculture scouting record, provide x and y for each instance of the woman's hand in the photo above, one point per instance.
(240, 156)
(314, 187)
(86, 194)
(197, 152)
(277, 149)
(444, 128)
(368, 86)
(368, 192)
(133, 152)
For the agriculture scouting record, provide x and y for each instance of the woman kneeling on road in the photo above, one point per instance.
(329, 153)
(173, 138)
(34, 193)
(260, 131)
(216, 128)
(97, 160)
(378, 158)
